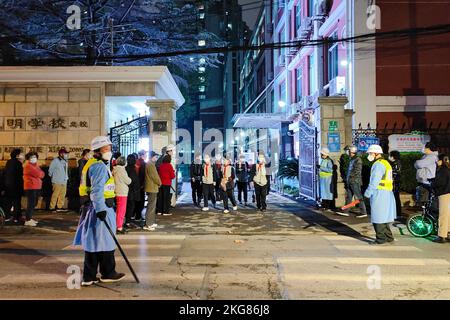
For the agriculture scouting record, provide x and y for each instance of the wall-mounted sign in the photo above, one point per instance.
(363, 143)
(332, 125)
(334, 141)
(408, 142)
(159, 126)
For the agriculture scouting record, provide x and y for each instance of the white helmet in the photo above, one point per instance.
(325, 151)
(353, 149)
(99, 142)
(374, 148)
(170, 147)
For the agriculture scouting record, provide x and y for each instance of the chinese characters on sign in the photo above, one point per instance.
(408, 142)
(334, 141)
(363, 143)
(38, 123)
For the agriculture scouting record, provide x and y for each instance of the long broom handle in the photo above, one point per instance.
(121, 251)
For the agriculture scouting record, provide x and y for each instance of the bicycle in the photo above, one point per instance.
(425, 223)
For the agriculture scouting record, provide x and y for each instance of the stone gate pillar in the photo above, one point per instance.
(336, 133)
(162, 123)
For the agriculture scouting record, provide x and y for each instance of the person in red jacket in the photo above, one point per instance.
(32, 185)
(167, 174)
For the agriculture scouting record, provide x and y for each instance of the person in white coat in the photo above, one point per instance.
(122, 181)
(382, 200)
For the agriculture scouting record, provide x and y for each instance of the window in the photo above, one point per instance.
(282, 97)
(201, 88)
(298, 19)
(333, 59)
(310, 8)
(312, 75)
(201, 43)
(299, 82)
(201, 69)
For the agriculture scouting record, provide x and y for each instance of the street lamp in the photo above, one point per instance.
(281, 104)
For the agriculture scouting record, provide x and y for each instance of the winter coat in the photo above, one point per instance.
(140, 169)
(152, 179)
(354, 171)
(326, 188)
(242, 172)
(13, 176)
(32, 176)
(166, 173)
(441, 184)
(121, 180)
(229, 174)
(426, 167)
(217, 174)
(58, 171)
(254, 174)
(396, 174)
(382, 202)
(134, 187)
(195, 171)
(92, 233)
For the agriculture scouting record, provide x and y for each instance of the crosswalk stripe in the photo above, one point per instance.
(376, 248)
(222, 261)
(33, 278)
(365, 261)
(385, 278)
(152, 236)
(80, 259)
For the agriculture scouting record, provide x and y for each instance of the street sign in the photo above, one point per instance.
(363, 143)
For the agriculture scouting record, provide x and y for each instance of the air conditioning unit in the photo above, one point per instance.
(337, 87)
(281, 61)
(306, 29)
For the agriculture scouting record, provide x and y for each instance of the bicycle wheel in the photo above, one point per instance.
(2, 218)
(419, 226)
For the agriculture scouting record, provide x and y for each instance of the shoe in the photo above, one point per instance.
(341, 213)
(361, 215)
(30, 223)
(263, 210)
(167, 214)
(159, 214)
(205, 209)
(226, 211)
(89, 283)
(154, 225)
(235, 208)
(245, 204)
(34, 221)
(114, 278)
(439, 240)
(376, 242)
(147, 228)
(62, 210)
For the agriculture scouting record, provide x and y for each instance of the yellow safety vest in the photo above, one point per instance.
(323, 174)
(387, 182)
(85, 190)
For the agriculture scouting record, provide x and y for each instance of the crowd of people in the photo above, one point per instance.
(383, 188)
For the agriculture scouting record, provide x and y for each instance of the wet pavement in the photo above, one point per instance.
(290, 252)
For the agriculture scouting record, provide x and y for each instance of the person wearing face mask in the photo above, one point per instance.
(258, 177)
(58, 171)
(32, 184)
(133, 191)
(441, 187)
(242, 171)
(208, 178)
(217, 168)
(92, 233)
(379, 191)
(85, 156)
(394, 159)
(13, 176)
(196, 179)
(426, 171)
(344, 161)
(227, 177)
(326, 178)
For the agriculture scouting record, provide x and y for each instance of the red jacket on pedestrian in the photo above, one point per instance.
(32, 176)
(166, 173)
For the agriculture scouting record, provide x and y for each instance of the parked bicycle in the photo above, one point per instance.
(425, 223)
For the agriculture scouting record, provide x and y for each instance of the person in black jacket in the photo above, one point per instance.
(196, 180)
(14, 184)
(242, 172)
(394, 159)
(228, 176)
(133, 190)
(441, 186)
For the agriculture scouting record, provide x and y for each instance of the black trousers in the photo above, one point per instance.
(92, 261)
(197, 191)
(13, 202)
(131, 206)
(398, 203)
(218, 191)
(32, 198)
(229, 194)
(139, 206)
(383, 232)
(164, 197)
(242, 188)
(261, 194)
(208, 193)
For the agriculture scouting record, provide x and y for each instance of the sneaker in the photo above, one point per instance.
(439, 240)
(263, 210)
(89, 283)
(205, 209)
(62, 210)
(235, 208)
(154, 225)
(159, 213)
(245, 204)
(376, 242)
(114, 278)
(147, 228)
(226, 211)
(342, 213)
(30, 223)
(361, 215)
(167, 214)
(34, 221)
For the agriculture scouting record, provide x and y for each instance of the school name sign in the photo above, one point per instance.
(408, 142)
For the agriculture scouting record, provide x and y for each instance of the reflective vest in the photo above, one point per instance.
(387, 182)
(323, 174)
(85, 190)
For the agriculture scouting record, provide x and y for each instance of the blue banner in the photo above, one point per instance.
(363, 143)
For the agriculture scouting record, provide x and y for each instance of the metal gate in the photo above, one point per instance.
(308, 161)
(125, 137)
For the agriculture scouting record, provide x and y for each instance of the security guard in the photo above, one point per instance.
(379, 191)
(97, 189)
(326, 175)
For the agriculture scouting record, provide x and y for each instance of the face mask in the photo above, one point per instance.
(391, 159)
(33, 160)
(371, 157)
(66, 156)
(347, 152)
(107, 156)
